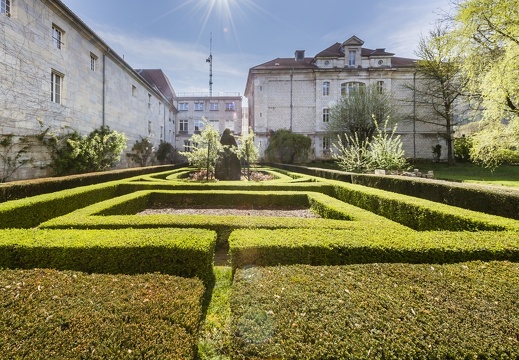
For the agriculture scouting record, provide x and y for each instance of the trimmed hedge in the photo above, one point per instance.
(182, 252)
(376, 311)
(419, 214)
(47, 314)
(30, 212)
(359, 245)
(26, 188)
(486, 199)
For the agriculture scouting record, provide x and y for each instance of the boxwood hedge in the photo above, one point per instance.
(376, 311)
(182, 252)
(261, 247)
(49, 314)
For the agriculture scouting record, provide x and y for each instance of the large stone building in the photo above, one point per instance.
(297, 94)
(55, 71)
(222, 111)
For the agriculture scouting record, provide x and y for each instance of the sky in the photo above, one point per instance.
(175, 35)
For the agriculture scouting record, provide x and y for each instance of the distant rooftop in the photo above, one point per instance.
(207, 94)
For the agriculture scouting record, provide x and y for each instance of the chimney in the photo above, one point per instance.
(300, 55)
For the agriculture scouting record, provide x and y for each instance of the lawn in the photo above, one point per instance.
(505, 175)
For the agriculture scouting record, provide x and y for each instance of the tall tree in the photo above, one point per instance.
(439, 83)
(487, 32)
(360, 112)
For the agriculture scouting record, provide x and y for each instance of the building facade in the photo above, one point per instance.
(221, 111)
(56, 72)
(297, 94)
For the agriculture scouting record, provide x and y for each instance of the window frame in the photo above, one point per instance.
(93, 62)
(352, 57)
(183, 104)
(199, 106)
(230, 106)
(326, 88)
(183, 125)
(198, 125)
(214, 106)
(326, 115)
(5, 7)
(56, 87)
(57, 37)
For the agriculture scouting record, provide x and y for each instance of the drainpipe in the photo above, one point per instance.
(414, 115)
(104, 88)
(291, 98)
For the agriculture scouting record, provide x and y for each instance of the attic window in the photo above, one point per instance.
(300, 55)
(351, 57)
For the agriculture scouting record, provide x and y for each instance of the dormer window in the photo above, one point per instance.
(300, 55)
(352, 54)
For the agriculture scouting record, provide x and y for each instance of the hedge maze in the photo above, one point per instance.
(377, 275)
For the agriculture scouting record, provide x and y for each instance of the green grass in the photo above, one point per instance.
(506, 175)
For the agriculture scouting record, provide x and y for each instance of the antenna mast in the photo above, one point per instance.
(210, 61)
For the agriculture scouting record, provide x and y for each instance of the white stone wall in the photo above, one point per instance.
(28, 60)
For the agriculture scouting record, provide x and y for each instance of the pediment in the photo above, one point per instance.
(353, 41)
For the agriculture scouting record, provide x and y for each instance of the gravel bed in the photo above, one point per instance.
(302, 213)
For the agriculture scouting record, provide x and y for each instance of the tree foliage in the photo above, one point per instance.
(355, 112)
(73, 153)
(143, 152)
(204, 148)
(440, 83)
(487, 31)
(247, 150)
(168, 154)
(288, 147)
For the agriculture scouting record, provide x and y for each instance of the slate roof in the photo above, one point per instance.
(158, 80)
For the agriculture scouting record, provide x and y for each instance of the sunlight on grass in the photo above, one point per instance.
(214, 342)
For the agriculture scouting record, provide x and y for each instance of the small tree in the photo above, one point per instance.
(361, 111)
(247, 150)
(142, 152)
(288, 147)
(205, 148)
(167, 154)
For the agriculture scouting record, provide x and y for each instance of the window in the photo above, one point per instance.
(149, 127)
(199, 125)
(351, 57)
(149, 101)
(215, 124)
(326, 88)
(57, 37)
(380, 87)
(326, 145)
(183, 125)
(230, 106)
(326, 115)
(56, 84)
(189, 145)
(134, 90)
(214, 106)
(199, 106)
(93, 62)
(183, 106)
(5, 7)
(160, 108)
(349, 87)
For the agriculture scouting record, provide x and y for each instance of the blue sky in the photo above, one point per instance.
(174, 34)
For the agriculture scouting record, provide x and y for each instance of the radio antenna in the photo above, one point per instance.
(210, 61)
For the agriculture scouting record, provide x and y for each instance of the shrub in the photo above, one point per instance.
(142, 152)
(167, 154)
(287, 147)
(73, 153)
(462, 146)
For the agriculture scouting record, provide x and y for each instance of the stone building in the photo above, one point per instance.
(297, 94)
(55, 71)
(222, 111)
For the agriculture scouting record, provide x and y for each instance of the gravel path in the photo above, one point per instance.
(302, 213)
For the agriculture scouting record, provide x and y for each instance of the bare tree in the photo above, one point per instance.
(439, 83)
